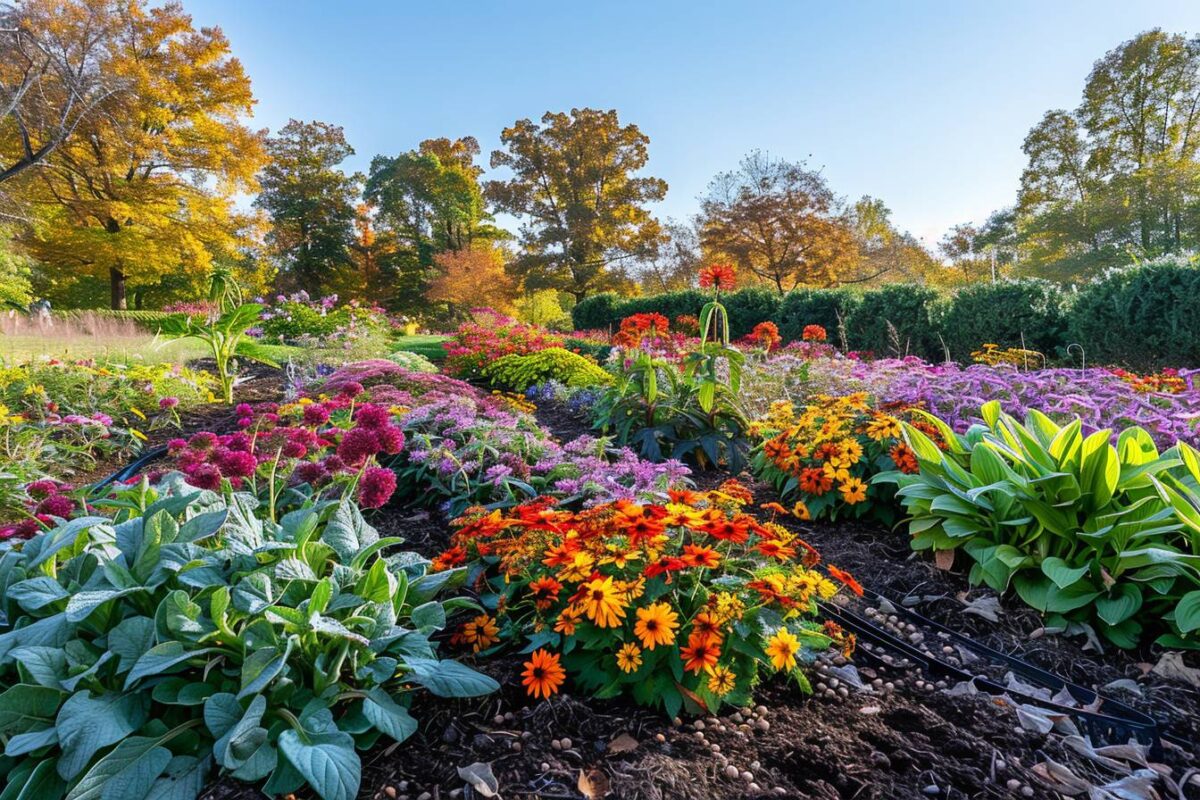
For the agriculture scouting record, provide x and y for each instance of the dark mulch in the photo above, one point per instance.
(907, 742)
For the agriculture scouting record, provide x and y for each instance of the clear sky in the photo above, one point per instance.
(922, 104)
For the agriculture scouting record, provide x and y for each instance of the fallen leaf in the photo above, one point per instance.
(481, 778)
(944, 559)
(1171, 666)
(623, 744)
(593, 784)
(987, 607)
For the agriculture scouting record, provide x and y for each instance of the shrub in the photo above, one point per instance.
(596, 312)
(895, 320)
(519, 372)
(413, 362)
(188, 633)
(828, 308)
(598, 351)
(1088, 532)
(1026, 313)
(750, 307)
(480, 342)
(1143, 317)
(611, 595)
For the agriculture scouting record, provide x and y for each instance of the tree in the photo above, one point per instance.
(674, 263)
(144, 188)
(53, 56)
(14, 274)
(777, 221)
(427, 201)
(1119, 174)
(310, 202)
(885, 254)
(575, 188)
(473, 278)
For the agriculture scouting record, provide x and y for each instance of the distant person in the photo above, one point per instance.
(40, 312)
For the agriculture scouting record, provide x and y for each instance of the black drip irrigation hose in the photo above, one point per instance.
(1116, 724)
(132, 468)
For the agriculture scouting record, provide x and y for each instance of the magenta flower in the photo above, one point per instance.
(56, 505)
(376, 487)
(167, 403)
(358, 445)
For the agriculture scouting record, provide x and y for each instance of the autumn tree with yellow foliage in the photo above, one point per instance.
(144, 186)
(473, 277)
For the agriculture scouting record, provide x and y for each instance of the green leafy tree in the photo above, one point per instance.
(575, 188)
(14, 274)
(311, 203)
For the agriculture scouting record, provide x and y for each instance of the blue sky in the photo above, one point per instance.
(922, 104)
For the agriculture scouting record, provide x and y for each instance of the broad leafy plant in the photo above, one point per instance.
(186, 633)
(1090, 532)
(224, 335)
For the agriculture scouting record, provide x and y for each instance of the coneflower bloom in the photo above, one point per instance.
(543, 674)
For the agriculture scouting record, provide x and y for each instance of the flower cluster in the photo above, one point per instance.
(46, 500)
(765, 335)
(639, 327)
(993, 354)
(814, 333)
(823, 458)
(679, 603)
(1168, 381)
(326, 443)
(489, 336)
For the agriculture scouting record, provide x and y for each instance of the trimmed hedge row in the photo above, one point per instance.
(1144, 317)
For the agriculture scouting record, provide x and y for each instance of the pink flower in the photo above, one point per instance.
(243, 410)
(56, 505)
(176, 446)
(334, 464)
(358, 445)
(376, 487)
(204, 440)
(351, 389)
(41, 489)
(168, 403)
(316, 414)
(294, 449)
(391, 439)
(205, 476)
(237, 464)
(372, 416)
(313, 473)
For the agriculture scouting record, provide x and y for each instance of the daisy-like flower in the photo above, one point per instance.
(800, 511)
(701, 556)
(543, 674)
(773, 548)
(656, 624)
(700, 655)
(706, 626)
(487, 632)
(602, 603)
(782, 648)
(853, 490)
(629, 657)
(721, 681)
(846, 579)
(567, 620)
(721, 276)
(545, 591)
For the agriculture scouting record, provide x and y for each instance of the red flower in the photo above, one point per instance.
(814, 333)
(721, 276)
(376, 487)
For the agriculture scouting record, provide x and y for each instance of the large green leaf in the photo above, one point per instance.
(347, 532)
(326, 760)
(25, 707)
(262, 667)
(162, 659)
(126, 772)
(1187, 612)
(388, 716)
(449, 678)
(1062, 573)
(86, 724)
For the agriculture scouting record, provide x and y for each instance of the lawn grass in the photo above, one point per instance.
(428, 345)
(143, 348)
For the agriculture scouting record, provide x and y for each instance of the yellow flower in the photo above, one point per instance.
(721, 681)
(853, 490)
(629, 657)
(133, 410)
(782, 648)
(137, 434)
(602, 603)
(656, 625)
(839, 474)
(487, 633)
(579, 568)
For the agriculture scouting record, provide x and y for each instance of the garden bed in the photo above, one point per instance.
(914, 740)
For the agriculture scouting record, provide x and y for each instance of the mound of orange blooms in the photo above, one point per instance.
(823, 458)
(678, 603)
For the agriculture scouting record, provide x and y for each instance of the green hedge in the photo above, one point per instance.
(828, 308)
(1144, 317)
(897, 320)
(1026, 313)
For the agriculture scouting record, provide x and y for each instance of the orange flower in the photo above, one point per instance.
(545, 591)
(774, 507)
(814, 333)
(543, 674)
(448, 560)
(845, 578)
(814, 481)
(684, 497)
(700, 556)
(567, 621)
(700, 654)
(705, 626)
(773, 548)
(721, 276)
(639, 523)
(656, 624)
(904, 458)
(734, 489)
(853, 490)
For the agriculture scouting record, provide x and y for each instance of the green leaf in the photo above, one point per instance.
(43, 783)
(429, 617)
(185, 777)
(1121, 604)
(86, 724)
(347, 532)
(242, 742)
(388, 716)
(25, 706)
(1187, 612)
(35, 594)
(262, 667)
(163, 658)
(326, 760)
(253, 594)
(1061, 572)
(132, 637)
(126, 772)
(449, 678)
(46, 666)
(82, 604)
(221, 712)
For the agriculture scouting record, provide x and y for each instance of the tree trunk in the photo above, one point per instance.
(117, 282)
